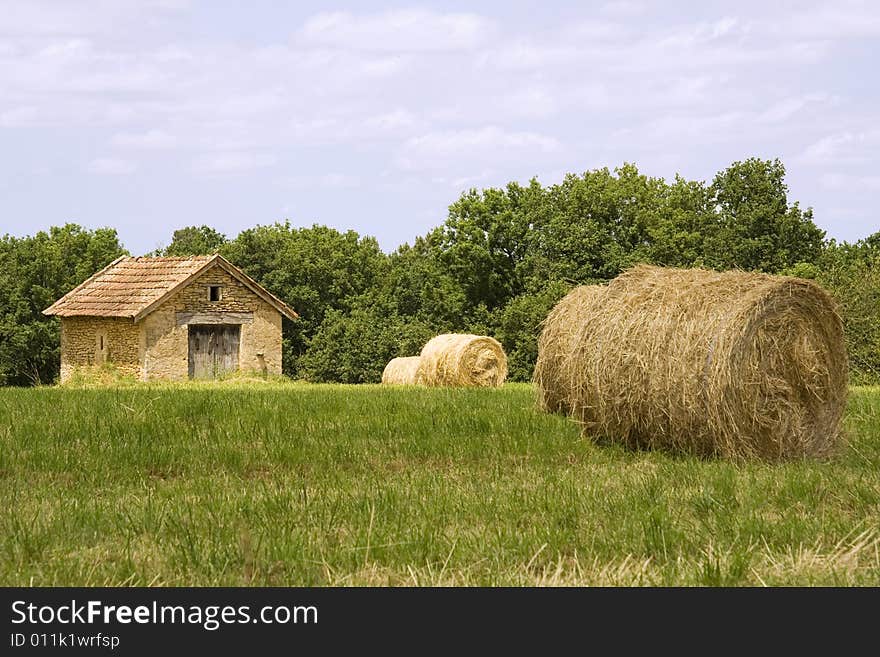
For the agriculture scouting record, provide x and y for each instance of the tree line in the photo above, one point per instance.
(498, 263)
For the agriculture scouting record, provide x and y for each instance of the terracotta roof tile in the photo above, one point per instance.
(128, 286)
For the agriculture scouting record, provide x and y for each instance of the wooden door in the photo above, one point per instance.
(213, 350)
(201, 355)
(226, 352)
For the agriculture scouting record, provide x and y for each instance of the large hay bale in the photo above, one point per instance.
(454, 359)
(732, 364)
(402, 371)
(553, 369)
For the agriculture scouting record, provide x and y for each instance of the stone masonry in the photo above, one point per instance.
(81, 344)
(157, 346)
(166, 344)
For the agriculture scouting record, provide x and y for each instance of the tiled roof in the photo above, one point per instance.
(134, 286)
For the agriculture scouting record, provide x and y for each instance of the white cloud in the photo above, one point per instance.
(593, 30)
(440, 98)
(704, 33)
(46, 18)
(697, 127)
(171, 5)
(67, 50)
(321, 129)
(788, 107)
(851, 182)
(35, 19)
(397, 30)
(108, 166)
(836, 20)
(149, 140)
(523, 54)
(465, 148)
(325, 181)
(471, 181)
(381, 67)
(19, 116)
(533, 102)
(623, 9)
(232, 163)
(348, 127)
(399, 119)
(842, 148)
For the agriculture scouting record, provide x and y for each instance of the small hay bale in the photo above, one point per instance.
(402, 371)
(553, 369)
(454, 359)
(731, 364)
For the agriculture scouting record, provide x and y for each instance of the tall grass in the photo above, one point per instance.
(306, 485)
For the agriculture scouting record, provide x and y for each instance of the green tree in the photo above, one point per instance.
(592, 226)
(851, 273)
(758, 228)
(195, 240)
(314, 270)
(496, 265)
(518, 325)
(354, 347)
(683, 223)
(419, 285)
(34, 273)
(484, 242)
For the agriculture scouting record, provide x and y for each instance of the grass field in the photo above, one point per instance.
(350, 485)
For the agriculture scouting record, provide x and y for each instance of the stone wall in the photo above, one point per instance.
(261, 341)
(157, 347)
(81, 344)
(166, 345)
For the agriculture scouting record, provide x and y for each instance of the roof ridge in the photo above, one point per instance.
(257, 288)
(189, 257)
(134, 286)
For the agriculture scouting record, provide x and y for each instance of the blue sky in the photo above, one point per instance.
(152, 115)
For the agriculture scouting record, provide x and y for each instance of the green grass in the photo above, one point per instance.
(309, 485)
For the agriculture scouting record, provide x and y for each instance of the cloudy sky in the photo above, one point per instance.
(151, 115)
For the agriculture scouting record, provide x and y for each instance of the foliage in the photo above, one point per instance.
(496, 265)
(484, 242)
(594, 225)
(419, 285)
(354, 347)
(315, 270)
(758, 229)
(851, 272)
(194, 240)
(518, 325)
(34, 272)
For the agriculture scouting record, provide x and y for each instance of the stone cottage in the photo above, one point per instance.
(171, 318)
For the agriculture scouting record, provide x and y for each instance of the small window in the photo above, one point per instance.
(214, 292)
(101, 351)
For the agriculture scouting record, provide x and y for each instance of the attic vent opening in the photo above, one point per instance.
(214, 292)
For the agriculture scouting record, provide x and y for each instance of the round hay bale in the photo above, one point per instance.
(401, 371)
(454, 359)
(553, 369)
(730, 364)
